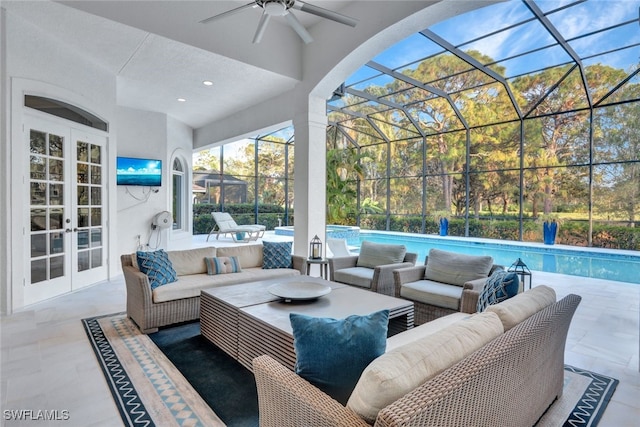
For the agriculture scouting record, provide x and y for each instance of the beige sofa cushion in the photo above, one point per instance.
(433, 293)
(522, 306)
(401, 370)
(423, 330)
(357, 276)
(191, 261)
(249, 255)
(191, 285)
(455, 268)
(374, 254)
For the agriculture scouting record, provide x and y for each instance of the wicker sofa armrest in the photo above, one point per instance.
(470, 295)
(137, 283)
(298, 263)
(139, 294)
(285, 399)
(339, 263)
(383, 280)
(472, 290)
(406, 275)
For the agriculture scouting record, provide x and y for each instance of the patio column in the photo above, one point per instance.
(310, 126)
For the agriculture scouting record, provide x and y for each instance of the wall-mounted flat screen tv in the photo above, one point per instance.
(138, 171)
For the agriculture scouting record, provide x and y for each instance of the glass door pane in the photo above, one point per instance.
(89, 218)
(48, 248)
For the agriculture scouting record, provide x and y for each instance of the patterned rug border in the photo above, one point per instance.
(587, 411)
(596, 398)
(147, 388)
(130, 407)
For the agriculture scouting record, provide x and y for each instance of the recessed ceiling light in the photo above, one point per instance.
(182, 100)
(207, 83)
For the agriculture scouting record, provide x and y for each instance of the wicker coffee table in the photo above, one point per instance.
(246, 321)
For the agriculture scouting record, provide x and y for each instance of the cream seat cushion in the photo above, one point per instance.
(410, 335)
(357, 276)
(399, 371)
(433, 293)
(191, 285)
(522, 306)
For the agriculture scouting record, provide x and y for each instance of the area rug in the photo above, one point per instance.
(176, 377)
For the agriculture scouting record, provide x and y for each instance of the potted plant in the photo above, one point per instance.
(550, 224)
(442, 219)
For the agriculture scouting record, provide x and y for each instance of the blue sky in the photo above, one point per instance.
(577, 20)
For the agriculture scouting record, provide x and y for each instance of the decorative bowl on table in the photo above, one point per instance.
(299, 291)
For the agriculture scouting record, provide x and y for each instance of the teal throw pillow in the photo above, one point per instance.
(276, 255)
(500, 286)
(332, 353)
(157, 266)
(222, 265)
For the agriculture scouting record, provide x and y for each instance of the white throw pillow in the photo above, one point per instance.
(399, 371)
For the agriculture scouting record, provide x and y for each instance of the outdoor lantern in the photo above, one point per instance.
(315, 248)
(521, 269)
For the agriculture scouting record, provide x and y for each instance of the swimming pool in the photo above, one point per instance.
(622, 266)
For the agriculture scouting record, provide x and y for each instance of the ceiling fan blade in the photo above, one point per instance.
(262, 25)
(298, 27)
(325, 13)
(228, 13)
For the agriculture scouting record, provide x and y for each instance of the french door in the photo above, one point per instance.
(66, 185)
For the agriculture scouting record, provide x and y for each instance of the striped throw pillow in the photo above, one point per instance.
(222, 265)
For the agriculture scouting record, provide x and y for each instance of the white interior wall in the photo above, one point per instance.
(141, 134)
(34, 62)
(180, 144)
(37, 64)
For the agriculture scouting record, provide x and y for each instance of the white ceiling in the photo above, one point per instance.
(159, 52)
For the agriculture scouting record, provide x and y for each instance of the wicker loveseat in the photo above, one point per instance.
(180, 301)
(447, 283)
(509, 381)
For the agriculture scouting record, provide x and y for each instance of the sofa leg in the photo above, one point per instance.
(149, 331)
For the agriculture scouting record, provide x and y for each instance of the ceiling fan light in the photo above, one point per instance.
(275, 8)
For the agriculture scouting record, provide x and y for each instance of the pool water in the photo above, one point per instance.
(623, 266)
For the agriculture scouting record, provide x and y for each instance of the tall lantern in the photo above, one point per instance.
(315, 248)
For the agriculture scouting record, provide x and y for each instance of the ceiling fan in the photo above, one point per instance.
(272, 8)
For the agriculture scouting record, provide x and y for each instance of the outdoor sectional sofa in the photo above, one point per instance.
(457, 370)
(180, 301)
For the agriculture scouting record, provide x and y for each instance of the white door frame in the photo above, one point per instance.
(16, 173)
(67, 231)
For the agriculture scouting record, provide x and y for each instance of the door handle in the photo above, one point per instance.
(68, 230)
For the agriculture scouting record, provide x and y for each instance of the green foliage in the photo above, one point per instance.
(242, 213)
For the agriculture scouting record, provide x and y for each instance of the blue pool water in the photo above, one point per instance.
(623, 266)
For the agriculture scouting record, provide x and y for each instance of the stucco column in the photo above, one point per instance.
(310, 126)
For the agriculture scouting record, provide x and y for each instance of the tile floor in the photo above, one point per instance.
(47, 362)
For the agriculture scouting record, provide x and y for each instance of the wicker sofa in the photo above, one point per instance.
(509, 381)
(446, 283)
(180, 301)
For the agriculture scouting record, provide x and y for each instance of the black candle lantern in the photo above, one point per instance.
(521, 269)
(315, 248)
